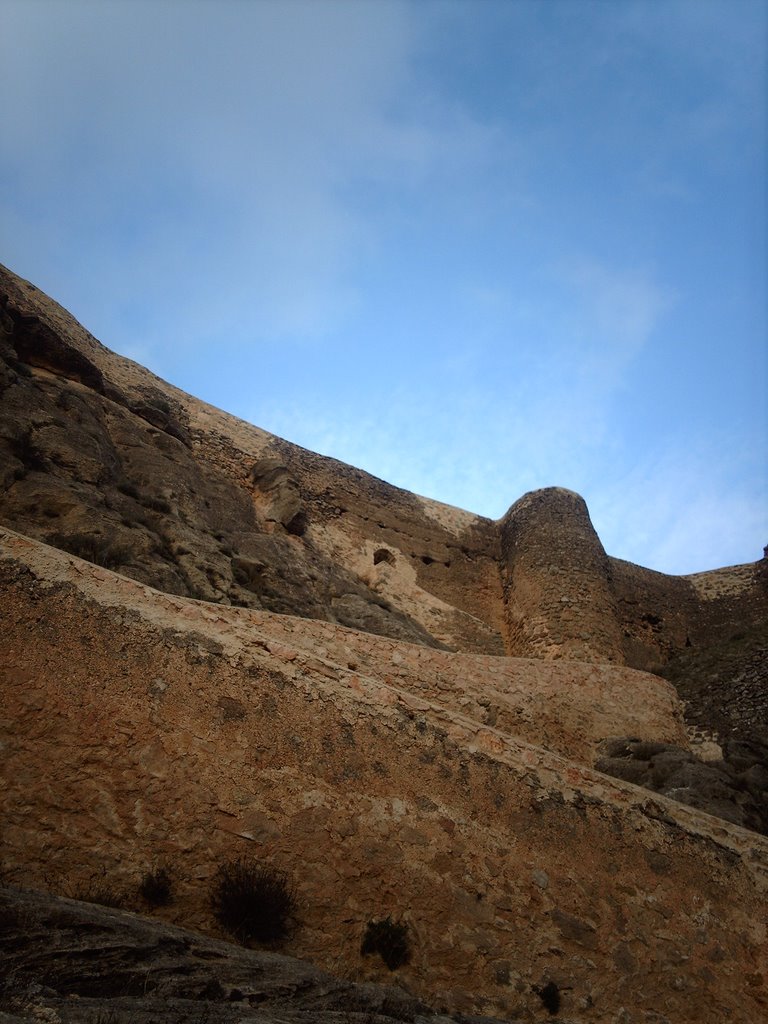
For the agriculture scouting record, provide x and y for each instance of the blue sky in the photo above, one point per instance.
(474, 248)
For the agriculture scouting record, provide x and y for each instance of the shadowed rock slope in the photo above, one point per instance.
(103, 459)
(71, 962)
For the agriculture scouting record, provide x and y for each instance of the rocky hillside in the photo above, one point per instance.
(99, 457)
(215, 645)
(103, 459)
(74, 962)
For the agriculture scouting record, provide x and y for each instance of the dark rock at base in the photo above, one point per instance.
(70, 962)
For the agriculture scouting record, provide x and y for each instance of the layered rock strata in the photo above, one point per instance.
(235, 646)
(71, 962)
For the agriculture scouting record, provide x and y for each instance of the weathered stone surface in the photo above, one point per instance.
(568, 708)
(724, 684)
(734, 787)
(185, 733)
(558, 597)
(401, 767)
(69, 962)
(92, 444)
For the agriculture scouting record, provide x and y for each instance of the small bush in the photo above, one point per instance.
(549, 995)
(254, 902)
(156, 888)
(390, 940)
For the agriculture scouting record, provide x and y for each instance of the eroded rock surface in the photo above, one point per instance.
(141, 728)
(734, 787)
(102, 458)
(396, 702)
(67, 962)
(116, 471)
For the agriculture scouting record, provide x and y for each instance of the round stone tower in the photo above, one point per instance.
(556, 577)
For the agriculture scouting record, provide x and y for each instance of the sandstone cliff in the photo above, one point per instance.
(212, 641)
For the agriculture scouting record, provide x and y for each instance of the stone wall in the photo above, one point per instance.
(565, 598)
(140, 728)
(658, 614)
(557, 592)
(661, 616)
(98, 455)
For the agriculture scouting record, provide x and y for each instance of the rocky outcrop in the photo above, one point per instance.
(100, 457)
(734, 786)
(69, 962)
(213, 642)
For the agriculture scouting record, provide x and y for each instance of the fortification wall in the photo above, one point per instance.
(730, 600)
(660, 615)
(558, 598)
(140, 728)
(199, 503)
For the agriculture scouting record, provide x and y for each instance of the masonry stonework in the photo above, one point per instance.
(213, 642)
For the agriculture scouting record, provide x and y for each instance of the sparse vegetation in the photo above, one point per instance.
(98, 889)
(93, 548)
(255, 902)
(390, 939)
(156, 888)
(549, 995)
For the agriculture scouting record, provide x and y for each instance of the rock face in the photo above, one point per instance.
(214, 643)
(734, 786)
(103, 459)
(75, 962)
(558, 597)
(388, 780)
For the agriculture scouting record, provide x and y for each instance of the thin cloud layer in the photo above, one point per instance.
(474, 249)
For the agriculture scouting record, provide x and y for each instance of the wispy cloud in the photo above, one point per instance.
(613, 315)
(536, 417)
(468, 247)
(226, 156)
